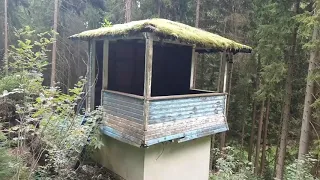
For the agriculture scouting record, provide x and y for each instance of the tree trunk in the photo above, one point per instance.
(242, 134)
(307, 110)
(254, 112)
(287, 103)
(159, 8)
(6, 62)
(229, 80)
(265, 134)
(128, 10)
(256, 161)
(197, 14)
(54, 45)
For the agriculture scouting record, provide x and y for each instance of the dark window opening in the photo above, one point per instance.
(171, 68)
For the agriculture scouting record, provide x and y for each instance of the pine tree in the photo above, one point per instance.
(6, 62)
(307, 110)
(128, 11)
(54, 46)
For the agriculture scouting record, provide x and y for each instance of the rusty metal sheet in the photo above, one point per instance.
(182, 126)
(177, 109)
(122, 106)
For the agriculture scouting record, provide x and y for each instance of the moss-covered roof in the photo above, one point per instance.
(166, 29)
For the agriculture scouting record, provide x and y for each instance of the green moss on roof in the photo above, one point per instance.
(166, 29)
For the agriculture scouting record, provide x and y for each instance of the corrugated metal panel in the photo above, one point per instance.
(123, 106)
(185, 119)
(123, 118)
(187, 129)
(177, 109)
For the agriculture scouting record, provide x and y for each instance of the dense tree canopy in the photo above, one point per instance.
(268, 85)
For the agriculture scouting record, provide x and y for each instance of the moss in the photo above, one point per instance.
(166, 29)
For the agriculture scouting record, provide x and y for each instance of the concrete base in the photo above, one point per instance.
(166, 161)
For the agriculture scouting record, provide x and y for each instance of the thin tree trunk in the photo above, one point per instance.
(242, 135)
(254, 112)
(275, 161)
(224, 134)
(265, 134)
(6, 62)
(54, 45)
(256, 161)
(197, 14)
(307, 110)
(277, 151)
(128, 10)
(159, 8)
(287, 103)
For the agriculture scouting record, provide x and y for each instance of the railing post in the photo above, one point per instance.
(91, 76)
(147, 77)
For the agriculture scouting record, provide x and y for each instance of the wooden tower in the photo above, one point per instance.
(156, 124)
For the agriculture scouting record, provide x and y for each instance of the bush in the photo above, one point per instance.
(50, 126)
(233, 167)
(300, 169)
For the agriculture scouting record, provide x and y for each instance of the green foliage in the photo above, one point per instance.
(106, 23)
(50, 120)
(7, 166)
(232, 166)
(300, 169)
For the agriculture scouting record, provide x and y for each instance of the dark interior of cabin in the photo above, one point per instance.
(171, 69)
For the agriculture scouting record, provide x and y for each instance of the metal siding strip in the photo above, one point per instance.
(109, 117)
(184, 121)
(184, 117)
(123, 111)
(180, 128)
(125, 127)
(195, 136)
(123, 98)
(120, 136)
(126, 130)
(123, 116)
(188, 100)
(186, 136)
(163, 139)
(174, 105)
(180, 112)
(136, 107)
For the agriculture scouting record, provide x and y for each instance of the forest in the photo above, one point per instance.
(274, 92)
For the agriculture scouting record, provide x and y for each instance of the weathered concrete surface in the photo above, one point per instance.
(175, 161)
(166, 161)
(123, 159)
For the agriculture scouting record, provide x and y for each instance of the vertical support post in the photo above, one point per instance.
(224, 70)
(147, 77)
(193, 69)
(221, 72)
(225, 76)
(105, 71)
(91, 76)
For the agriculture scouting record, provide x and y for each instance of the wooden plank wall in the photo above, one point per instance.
(123, 118)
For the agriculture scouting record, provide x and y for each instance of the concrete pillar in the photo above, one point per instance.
(165, 161)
